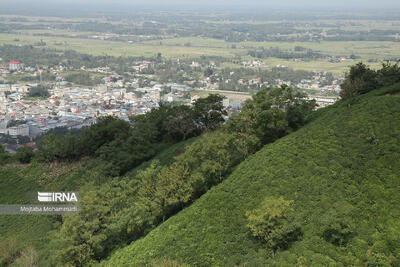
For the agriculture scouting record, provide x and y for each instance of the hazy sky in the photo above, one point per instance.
(87, 7)
(277, 3)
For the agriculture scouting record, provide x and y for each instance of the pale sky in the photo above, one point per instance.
(278, 3)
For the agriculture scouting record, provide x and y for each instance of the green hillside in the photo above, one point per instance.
(19, 184)
(342, 172)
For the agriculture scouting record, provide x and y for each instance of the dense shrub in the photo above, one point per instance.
(24, 154)
(273, 223)
(38, 91)
(361, 79)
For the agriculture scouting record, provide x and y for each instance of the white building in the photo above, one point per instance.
(15, 65)
(18, 130)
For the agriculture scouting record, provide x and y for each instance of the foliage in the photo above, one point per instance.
(343, 187)
(389, 74)
(299, 52)
(180, 123)
(13, 123)
(272, 114)
(273, 224)
(9, 251)
(209, 111)
(337, 224)
(29, 257)
(56, 148)
(38, 91)
(361, 79)
(82, 78)
(156, 192)
(120, 146)
(24, 154)
(167, 263)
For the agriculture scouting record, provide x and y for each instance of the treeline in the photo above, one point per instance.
(82, 78)
(38, 57)
(115, 213)
(38, 91)
(298, 52)
(117, 146)
(362, 79)
(231, 77)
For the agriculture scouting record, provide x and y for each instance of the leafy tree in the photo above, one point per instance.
(209, 111)
(104, 131)
(272, 222)
(359, 80)
(38, 91)
(57, 148)
(271, 114)
(49, 148)
(99, 227)
(180, 124)
(24, 154)
(389, 74)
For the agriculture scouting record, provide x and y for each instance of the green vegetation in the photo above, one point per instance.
(39, 91)
(24, 154)
(118, 147)
(21, 235)
(13, 123)
(141, 200)
(361, 79)
(82, 78)
(272, 224)
(340, 174)
(297, 53)
(315, 195)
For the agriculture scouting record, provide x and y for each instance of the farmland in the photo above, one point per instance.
(85, 36)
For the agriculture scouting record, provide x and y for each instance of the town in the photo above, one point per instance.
(31, 109)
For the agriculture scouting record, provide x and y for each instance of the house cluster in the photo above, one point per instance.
(71, 107)
(11, 66)
(254, 64)
(319, 82)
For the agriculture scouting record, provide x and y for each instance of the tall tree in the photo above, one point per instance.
(209, 112)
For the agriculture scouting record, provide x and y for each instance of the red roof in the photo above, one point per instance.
(15, 62)
(30, 144)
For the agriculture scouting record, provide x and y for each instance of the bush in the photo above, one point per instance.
(337, 224)
(28, 258)
(38, 91)
(272, 222)
(25, 154)
(9, 251)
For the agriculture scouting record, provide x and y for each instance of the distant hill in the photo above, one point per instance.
(342, 172)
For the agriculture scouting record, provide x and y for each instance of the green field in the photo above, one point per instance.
(195, 47)
(19, 184)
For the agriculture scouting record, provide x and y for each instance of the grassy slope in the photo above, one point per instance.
(344, 156)
(19, 184)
